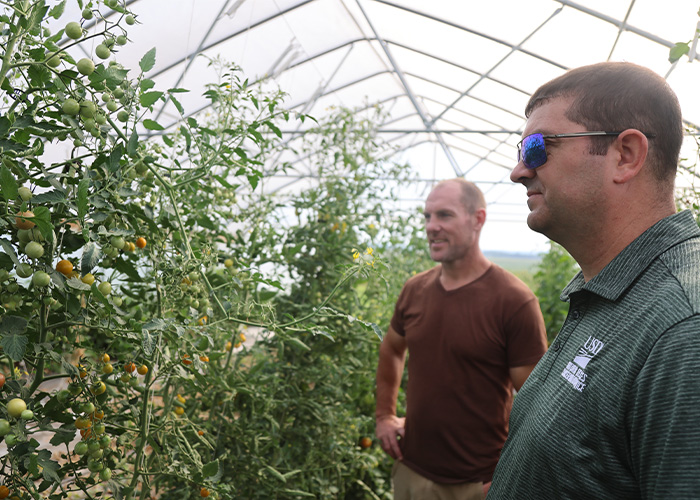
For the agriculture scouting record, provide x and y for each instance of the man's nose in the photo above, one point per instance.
(521, 172)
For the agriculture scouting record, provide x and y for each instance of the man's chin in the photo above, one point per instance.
(537, 223)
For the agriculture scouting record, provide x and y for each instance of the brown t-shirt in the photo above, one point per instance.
(461, 344)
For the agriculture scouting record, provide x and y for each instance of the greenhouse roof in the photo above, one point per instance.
(452, 76)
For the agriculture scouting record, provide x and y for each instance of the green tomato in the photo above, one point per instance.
(102, 51)
(34, 250)
(70, 106)
(88, 109)
(117, 242)
(129, 20)
(95, 466)
(24, 270)
(4, 427)
(121, 40)
(93, 446)
(25, 193)
(112, 106)
(87, 14)
(54, 61)
(98, 453)
(118, 93)
(27, 415)
(24, 235)
(86, 66)
(15, 407)
(81, 448)
(123, 116)
(87, 407)
(117, 301)
(100, 119)
(41, 279)
(10, 440)
(105, 441)
(73, 30)
(105, 474)
(74, 389)
(63, 396)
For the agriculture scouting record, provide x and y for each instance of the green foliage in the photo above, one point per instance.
(177, 256)
(554, 272)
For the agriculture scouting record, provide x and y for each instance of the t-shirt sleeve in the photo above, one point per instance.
(664, 435)
(397, 319)
(526, 337)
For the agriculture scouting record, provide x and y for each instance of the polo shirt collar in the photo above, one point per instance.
(619, 274)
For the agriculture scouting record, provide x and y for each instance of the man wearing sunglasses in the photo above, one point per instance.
(473, 332)
(612, 410)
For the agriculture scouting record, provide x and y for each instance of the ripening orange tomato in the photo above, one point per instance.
(141, 242)
(65, 267)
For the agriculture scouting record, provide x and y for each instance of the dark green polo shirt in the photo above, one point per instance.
(612, 411)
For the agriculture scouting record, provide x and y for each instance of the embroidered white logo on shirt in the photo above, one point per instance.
(573, 372)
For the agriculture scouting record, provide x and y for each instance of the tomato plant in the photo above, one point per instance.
(186, 306)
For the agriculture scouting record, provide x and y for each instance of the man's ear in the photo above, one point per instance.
(480, 215)
(632, 148)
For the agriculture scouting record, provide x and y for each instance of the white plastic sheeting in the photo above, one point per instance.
(453, 75)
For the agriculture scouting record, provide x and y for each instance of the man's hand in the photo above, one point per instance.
(389, 428)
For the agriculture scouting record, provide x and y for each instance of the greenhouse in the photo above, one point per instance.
(210, 210)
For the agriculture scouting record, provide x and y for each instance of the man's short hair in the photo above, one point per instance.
(616, 96)
(471, 196)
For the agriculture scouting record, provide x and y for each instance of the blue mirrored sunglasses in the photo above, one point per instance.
(531, 150)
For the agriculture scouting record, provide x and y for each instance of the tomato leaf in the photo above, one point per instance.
(298, 493)
(62, 436)
(48, 467)
(152, 125)
(13, 325)
(83, 186)
(148, 60)
(8, 183)
(146, 84)
(274, 128)
(149, 98)
(297, 343)
(50, 197)
(42, 218)
(77, 284)
(114, 157)
(678, 51)
(156, 324)
(211, 469)
(91, 257)
(127, 268)
(14, 345)
(177, 104)
(57, 11)
(148, 343)
(9, 250)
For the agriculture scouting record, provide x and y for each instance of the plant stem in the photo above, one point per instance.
(39, 377)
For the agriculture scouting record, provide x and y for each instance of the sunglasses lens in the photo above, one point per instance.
(533, 153)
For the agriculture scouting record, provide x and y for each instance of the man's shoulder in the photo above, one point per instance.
(683, 264)
(423, 278)
(505, 279)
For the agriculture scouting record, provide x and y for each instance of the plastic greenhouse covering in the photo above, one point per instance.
(452, 77)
